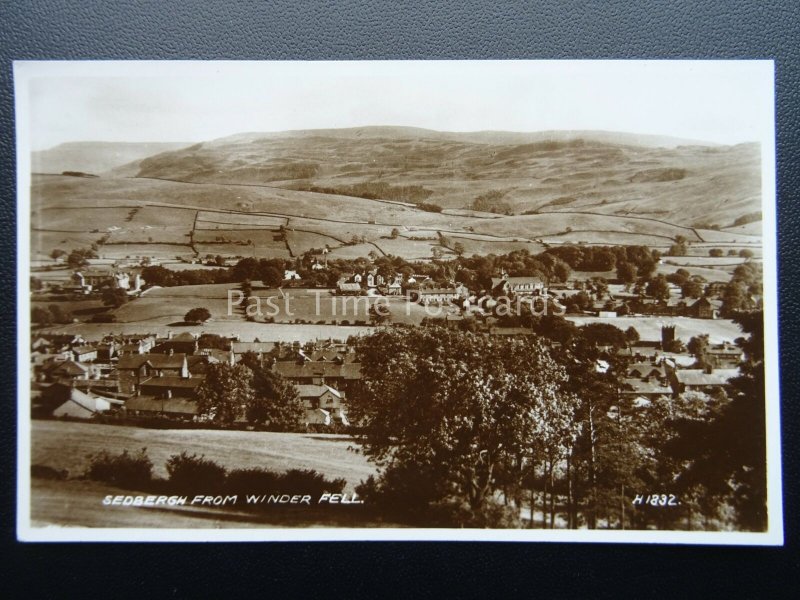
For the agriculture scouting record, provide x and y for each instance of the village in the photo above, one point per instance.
(146, 375)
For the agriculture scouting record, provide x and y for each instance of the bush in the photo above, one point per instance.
(190, 473)
(293, 482)
(308, 481)
(45, 472)
(251, 481)
(131, 471)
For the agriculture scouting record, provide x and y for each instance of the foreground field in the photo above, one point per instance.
(67, 445)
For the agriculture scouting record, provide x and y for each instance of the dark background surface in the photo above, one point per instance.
(192, 29)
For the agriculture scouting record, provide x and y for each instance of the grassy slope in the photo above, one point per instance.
(684, 184)
(66, 445)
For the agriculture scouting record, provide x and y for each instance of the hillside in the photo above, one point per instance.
(96, 157)
(681, 182)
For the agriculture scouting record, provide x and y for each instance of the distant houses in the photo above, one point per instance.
(92, 279)
(520, 286)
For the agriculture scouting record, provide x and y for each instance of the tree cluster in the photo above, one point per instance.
(473, 430)
(250, 391)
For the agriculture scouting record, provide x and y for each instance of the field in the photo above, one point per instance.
(247, 332)
(68, 445)
(165, 305)
(649, 328)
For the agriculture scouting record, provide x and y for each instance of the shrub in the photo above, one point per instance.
(131, 471)
(45, 472)
(251, 481)
(190, 473)
(308, 481)
(293, 482)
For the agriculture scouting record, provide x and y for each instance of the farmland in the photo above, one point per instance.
(590, 190)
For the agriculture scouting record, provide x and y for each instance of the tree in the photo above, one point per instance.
(679, 248)
(41, 316)
(395, 232)
(745, 253)
(115, 297)
(453, 416)
(225, 392)
(275, 402)
(212, 340)
(458, 248)
(379, 313)
(437, 252)
(57, 253)
(603, 334)
(271, 277)
(36, 284)
(59, 314)
(631, 335)
(726, 454)
(77, 259)
(691, 289)
(197, 315)
(715, 252)
(658, 288)
(626, 272)
(698, 346)
(561, 271)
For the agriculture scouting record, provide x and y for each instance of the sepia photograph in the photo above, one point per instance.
(397, 300)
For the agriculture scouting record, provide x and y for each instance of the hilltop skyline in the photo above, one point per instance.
(711, 102)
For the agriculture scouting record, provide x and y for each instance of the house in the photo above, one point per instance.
(168, 364)
(426, 296)
(725, 355)
(90, 280)
(394, 289)
(131, 369)
(702, 380)
(702, 309)
(85, 353)
(134, 369)
(134, 348)
(176, 407)
(648, 388)
(324, 405)
(183, 343)
(291, 275)
(171, 386)
(82, 405)
(520, 286)
(349, 288)
(646, 370)
(209, 356)
(239, 348)
(66, 370)
(340, 375)
(107, 352)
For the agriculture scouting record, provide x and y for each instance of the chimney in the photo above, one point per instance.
(667, 336)
(169, 335)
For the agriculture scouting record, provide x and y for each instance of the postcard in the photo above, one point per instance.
(398, 300)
